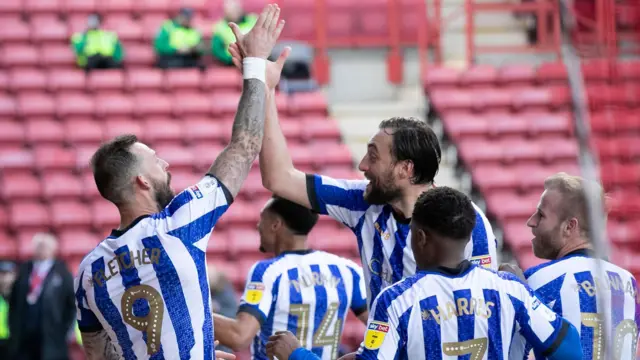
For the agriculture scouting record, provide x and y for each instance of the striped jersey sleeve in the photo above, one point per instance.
(482, 249)
(258, 291)
(195, 211)
(87, 320)
(358, 298)
(343, 200)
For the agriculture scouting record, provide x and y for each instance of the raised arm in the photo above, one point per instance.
(233, 164)
(276, 167)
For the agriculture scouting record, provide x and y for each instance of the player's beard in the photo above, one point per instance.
(382, 190)
(546, 245)
(163, 193)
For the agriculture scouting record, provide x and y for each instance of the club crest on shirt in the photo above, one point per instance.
(254, 293)
(383, 234)
(484, 261)
(376, 331)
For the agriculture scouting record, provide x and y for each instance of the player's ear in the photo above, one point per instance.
(143, 182)
(572, 225)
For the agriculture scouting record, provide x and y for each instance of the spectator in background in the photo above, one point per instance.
(223, 297)
(42, 305)
(96, 48)
(222, 33)
(7, 277)
(178, 44)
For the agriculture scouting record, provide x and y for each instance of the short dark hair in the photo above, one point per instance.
(414, 140)
(299, 219)
(446, 212)
(113, 164)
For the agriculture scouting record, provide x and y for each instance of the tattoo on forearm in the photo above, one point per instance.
(98, 346)
(233, 164)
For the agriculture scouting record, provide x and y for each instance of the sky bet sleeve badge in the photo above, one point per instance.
(376, 331)
(484, 261)
(254, 293)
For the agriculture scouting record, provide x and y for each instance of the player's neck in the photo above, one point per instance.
(405, 204)
(581, 244)
(128, 214)
(296, 243)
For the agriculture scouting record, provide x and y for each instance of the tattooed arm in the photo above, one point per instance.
(233, 164)
(98, 346)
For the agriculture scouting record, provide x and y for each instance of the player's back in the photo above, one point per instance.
(147, 284)
(306, 292)
(446, 313)
(589, 296)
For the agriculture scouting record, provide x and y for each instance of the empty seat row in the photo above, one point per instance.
(87, 6)
(155, 130)
(146, 103)
(464, 125)
(45, 158)
(56, 80)
(500, 99)
(624, 147)
(615, 121)
(521, 178)
(523, 74)
(558, 150)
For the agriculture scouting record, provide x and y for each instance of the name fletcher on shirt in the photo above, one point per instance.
(125, 261)
(461, 307)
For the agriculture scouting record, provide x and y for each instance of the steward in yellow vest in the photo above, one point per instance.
(7, 277)
(177, 44)
(222, 33)
(96, 48)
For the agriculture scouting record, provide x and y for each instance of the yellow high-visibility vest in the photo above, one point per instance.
(96, 42)
(181, 37)
(223, 30)
(4, 319)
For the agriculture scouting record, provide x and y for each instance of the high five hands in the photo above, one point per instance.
(259, 42)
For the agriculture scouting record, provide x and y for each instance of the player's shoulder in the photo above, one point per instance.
(503, 280)
(346, 184)
(409, 286)
(573, 263)
(333, 259)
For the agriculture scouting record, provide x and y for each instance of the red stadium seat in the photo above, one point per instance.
(75, 104)
(120, 126)
(80, 6)
(192, 103)
(558, 150)
(145, 79)
(115, 105)
(477, 152)
(302, 155)
(596, 70)
(552, 72)
(240, 215)
(440, 77)
(36, 104)
(520, 74)
(20, 55)
(42, 6)
(511, 206)
(104, 216)
(78, 243)
(13, 30)
(79, 131)
(202, 129)
(218, 245)
(178, 157)
(339, 241)
(70, 215)
(518, 152)
(28, 215)
(12, 134)
(20, 186)
(4, 79)
(204, 154)
(89, 188)
(162, 130)
(222, 79)
(53, 157)
(479, 75)
(140, 56)
(292, 128)
(181, 79)
(105, 80)
(241, 241)
(532, 98)
(10, 7)
(505, 125)
(545, 123)
(16, 160)
(127, 28)
(44, 130)
(7, 106)
(62, 186)
(491, 178)
(628, 70)
(152, 103)
(154, 6)
(27, 79)
(66, 80)
(321, 128)
(308, 103)
(4, 218)
(8, 246)
(48, 28)
(181, 180)
(462, 125)
(224, 104)
(56, 55)
(491, 99)
(447, 100)
(331, 154)
(252, 187)
(151, 22)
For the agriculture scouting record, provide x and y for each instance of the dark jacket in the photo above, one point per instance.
(57, 312)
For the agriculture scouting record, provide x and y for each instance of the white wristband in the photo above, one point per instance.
(254, 68)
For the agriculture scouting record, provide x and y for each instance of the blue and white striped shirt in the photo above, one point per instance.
(449, 313)
(306, 292)
(383, 240)
(147, 285)
(573, 288)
